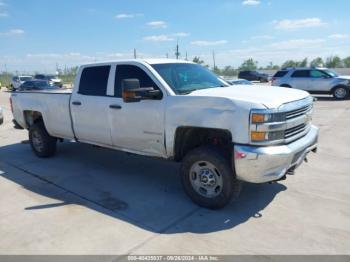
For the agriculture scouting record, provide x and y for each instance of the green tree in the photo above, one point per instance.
(318, 61)
(197, 60)
(271, 66)
(334, 62)
(249, 64)
(217, 70)
(228, 71)
(303, 63)
(346, 62)
(290, 63)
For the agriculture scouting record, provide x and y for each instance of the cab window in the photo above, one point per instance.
(94, 81)
(131, 71)
(318, 74)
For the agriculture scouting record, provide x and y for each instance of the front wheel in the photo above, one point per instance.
(41, 142)
(208, 178)
(340, 92)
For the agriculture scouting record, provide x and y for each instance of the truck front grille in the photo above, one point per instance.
(298, 112)
(294, 131)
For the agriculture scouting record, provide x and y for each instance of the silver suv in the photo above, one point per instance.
(314, 80)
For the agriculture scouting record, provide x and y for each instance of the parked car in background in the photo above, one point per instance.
(19, 80)
(1, 116)
(314, 80)
(239, 82)
(177, 110)
(36, 85)
(52, 79)
(253, 76)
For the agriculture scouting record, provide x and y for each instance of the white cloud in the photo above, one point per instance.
(209, 43)
(180, 34)
(126, 16)
(297, 44)
(251, 2)
(13, 32)
(157, 24)
(264, 37)
(338, 36)
(287, 24)
(164, 38)
(159, 38)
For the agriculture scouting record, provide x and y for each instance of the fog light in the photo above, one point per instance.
(258, 136)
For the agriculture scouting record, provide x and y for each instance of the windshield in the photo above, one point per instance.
(186, 78)
(25, 78)
(331, 73)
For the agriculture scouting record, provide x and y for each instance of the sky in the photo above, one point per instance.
(39, 35)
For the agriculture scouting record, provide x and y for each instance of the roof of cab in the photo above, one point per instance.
(150, 61)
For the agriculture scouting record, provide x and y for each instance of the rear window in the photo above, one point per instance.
(301, 73)
(280, 74)
(94, 81)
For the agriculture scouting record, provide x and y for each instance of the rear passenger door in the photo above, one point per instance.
(90, 105)
(300, 79)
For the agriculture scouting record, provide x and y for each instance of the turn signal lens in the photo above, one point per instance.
(258, 136)
(258, 118)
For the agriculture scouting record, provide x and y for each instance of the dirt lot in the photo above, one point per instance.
(89, 200)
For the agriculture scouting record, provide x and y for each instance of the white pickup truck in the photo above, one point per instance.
(179, 111)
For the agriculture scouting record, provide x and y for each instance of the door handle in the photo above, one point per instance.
(76, 103)
(115, 106)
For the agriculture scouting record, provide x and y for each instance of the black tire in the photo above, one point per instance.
(340, 92)
(231, 187)
(47, 146)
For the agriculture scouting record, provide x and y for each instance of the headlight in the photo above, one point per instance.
(258, 119)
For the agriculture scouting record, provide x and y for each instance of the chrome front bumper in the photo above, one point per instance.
(269, 163)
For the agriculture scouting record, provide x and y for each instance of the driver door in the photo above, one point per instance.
(320, 81)
(137, 126)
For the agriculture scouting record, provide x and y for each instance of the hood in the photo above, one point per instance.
(344, 77)
(269, 96)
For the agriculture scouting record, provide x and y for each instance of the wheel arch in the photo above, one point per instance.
(189, 137)
(31, 117)
(340, 85)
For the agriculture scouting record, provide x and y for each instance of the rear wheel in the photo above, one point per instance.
(41, 142)
(208, 178)
(340, 92)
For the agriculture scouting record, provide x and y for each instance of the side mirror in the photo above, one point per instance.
(129, 90)
(132, 91)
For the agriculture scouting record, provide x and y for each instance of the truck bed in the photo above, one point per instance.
(54, 105)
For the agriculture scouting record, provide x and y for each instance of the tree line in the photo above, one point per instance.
(251, 64)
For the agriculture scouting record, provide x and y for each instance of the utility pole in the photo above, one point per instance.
(177, 53)
(135, 56)
(186, 56)
(214, 62)
(167, 55)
